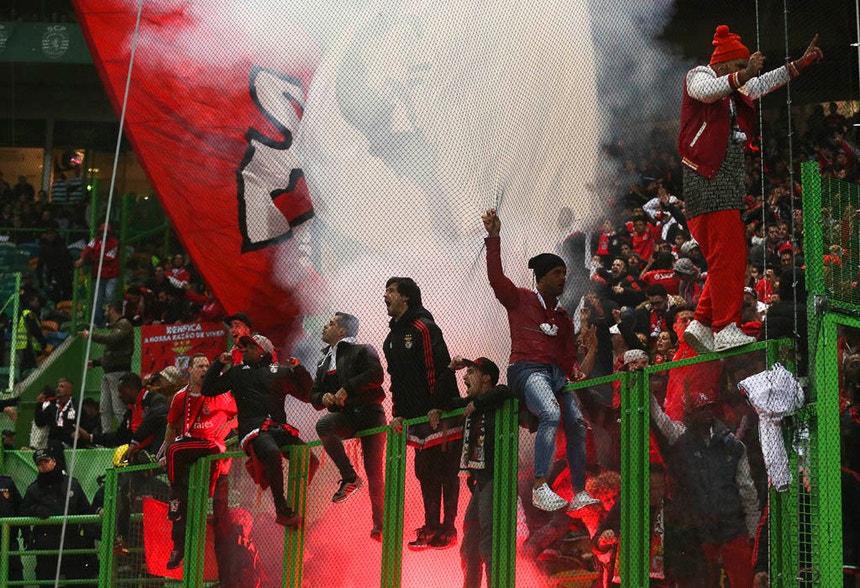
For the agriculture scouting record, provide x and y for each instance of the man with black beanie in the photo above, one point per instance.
(543, 358)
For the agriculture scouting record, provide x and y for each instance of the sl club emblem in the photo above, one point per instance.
(5, 495)
(407, 341)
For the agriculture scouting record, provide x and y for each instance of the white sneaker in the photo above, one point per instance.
(581, 500)
(545, 499)
(699, 337)
(730, 337)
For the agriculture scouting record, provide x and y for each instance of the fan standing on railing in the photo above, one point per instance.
(717, 120)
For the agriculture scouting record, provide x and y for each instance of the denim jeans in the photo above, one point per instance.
(541, 387)
(105, 294)
(476, 550)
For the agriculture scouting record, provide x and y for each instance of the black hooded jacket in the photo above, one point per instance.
(418, 359)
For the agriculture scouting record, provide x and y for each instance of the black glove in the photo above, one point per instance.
(43, 512)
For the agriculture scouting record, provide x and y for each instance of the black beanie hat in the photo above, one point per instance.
(543, 263)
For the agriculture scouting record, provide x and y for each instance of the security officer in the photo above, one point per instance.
(46, 497)
(10, 506)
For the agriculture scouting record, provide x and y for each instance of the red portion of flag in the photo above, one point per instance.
(157, 543)
(211, 113)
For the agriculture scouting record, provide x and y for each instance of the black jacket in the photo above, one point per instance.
(46, 414)
(259, 390)
(119, 346)
(359, 372)
(45, 498)
(149, 433)
(705, 483)
(418, 361)
(10, 506)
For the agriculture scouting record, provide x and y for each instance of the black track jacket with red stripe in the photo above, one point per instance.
(418, 359)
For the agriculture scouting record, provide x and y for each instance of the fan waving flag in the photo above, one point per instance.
(211, 113)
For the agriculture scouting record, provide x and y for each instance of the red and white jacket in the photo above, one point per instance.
(705, 114)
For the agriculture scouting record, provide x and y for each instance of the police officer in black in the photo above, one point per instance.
(10, 506)
(46, 497)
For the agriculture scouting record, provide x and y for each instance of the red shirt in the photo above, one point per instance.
(666, 277)
(203, 417)
(643, 244)
(110, 265)
(764, 290)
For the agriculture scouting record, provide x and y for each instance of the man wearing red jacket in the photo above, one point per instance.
(717, 118)
(96, 248)
(543, 357)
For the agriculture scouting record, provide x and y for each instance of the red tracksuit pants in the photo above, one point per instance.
(722, 240)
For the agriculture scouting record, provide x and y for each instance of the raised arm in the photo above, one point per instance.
(214, 382)
(503, 288)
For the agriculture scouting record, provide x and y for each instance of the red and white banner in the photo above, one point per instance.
(211, 114)
(164, 345)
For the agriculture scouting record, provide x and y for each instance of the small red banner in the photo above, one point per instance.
(164, 345)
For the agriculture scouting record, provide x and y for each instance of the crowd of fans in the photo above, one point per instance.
(54, 239)
(23, 11)
(635, 278)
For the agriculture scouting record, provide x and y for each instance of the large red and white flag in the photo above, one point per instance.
(212, 109)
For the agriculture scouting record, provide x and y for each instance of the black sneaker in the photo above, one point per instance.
(422, 541)
(175, 559)
(173, 513)
(443, 540)
(376, 534)
(347, 489)
(286, 517)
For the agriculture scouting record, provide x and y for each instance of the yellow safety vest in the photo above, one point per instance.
(23, 339)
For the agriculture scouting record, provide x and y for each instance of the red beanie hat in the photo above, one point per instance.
(728, 46)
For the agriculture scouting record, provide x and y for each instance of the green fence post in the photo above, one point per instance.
(813, 246)
(392, 519)
(825, 462)
(13, 355)
(635, 515)
(4, 550)
(297, 498)
(106, 554)
(783, 512)
(504, 560)
(195, 524)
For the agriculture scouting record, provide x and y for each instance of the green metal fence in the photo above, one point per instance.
(831, 253)
(10, 286)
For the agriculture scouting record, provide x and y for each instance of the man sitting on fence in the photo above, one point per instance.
(349, 384)
(260, 387)
(196, 427)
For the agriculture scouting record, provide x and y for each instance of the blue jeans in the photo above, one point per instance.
(540, 386)
(105, 294)
(476, 550)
